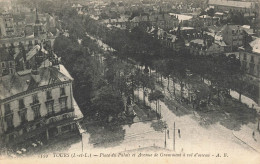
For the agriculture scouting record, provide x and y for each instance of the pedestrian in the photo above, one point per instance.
(253, 134)
(179, 132)
(176, 108)
(168, 133)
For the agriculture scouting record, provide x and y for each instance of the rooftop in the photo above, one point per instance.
(198, 41)
(20, 82)
(232, 3)
(182, 17)
(255, 45)
(20, 39)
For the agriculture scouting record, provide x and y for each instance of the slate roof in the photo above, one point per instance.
(16, 83)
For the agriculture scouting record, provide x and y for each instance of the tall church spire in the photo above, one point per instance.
(37, 21)
(37, 26)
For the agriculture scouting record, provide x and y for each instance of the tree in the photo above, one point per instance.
(240, 82)
(156, 96)
(211, 12)
(107, 103)
(146, 83)
(180, 74)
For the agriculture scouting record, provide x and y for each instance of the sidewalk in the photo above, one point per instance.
(245, 135)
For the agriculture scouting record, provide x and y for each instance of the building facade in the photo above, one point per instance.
(6, 25)
(7, 63)
(250, 58)
(233, 36)
(37, 105)
(226, 5)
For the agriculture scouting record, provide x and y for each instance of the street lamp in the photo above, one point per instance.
(160, 112)
(165, 127)
(258, 123)
(82, 142)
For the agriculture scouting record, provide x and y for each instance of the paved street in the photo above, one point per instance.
(193, 136)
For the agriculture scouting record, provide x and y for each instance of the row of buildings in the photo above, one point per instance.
(204, 34)
(21, 24)
(36, 93)
(37, 102)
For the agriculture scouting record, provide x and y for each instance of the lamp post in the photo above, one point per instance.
(258, 123)
(174, 136)
(165, 137)
(82, 148)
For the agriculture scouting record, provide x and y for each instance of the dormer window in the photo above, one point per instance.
(252, 59)
(62, 91)
(21, 104)
(245, 57)
(48, 95)
(11, 71)
(7, 109)
(35, 99)
(11, 64)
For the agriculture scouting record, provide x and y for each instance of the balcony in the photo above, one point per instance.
(53, 114)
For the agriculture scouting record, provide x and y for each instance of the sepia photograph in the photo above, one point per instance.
(130, 81)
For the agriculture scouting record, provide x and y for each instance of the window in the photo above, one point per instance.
(65, 128)
(11, 64)
(63, 103)
(21, 104)
(62, 91)
(49, 106)
(23, 116)
(11, 71)
(36, 110)
(9, 121)
(65, 116)
(245, 57)
(48, 95)
(7, 109)
(251, 68)
(258, 70)
(252, 59)
(35, 99)
(3, 65)
(52, 120)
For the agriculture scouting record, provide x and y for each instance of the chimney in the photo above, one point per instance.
(35, 74)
